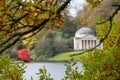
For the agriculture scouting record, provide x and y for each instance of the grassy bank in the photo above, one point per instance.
(66, 56)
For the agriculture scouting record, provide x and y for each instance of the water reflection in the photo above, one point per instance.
(56, 69)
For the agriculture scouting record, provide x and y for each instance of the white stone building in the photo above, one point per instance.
(85, 38)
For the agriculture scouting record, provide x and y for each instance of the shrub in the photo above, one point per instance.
(72, 72)
(10, 70)
(102, 65)
(43, 74)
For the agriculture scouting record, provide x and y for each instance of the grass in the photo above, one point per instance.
(66, 56)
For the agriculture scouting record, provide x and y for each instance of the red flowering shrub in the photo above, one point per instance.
(24, 54)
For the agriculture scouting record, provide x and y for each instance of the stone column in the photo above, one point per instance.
(97, 44)
(90, 44)
(80, 45)
(74, 43)
(86, 44)
(83, 44)
(93, 44)
(101, 46)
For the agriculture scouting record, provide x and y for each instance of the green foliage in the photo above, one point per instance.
(98, 65)
(43, 74)
(10, 71)
(114, 36)
(94, 3)
(46, 46)
(72, 71)
(52, 44)
(54, 41)
(102, 65)
(65, 56)
(68, 29)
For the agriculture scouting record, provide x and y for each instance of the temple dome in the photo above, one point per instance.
(85, 31)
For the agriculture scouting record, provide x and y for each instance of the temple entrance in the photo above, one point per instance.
(85, 39)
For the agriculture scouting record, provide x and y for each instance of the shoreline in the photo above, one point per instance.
(50, 61)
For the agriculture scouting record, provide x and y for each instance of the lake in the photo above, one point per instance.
(56, 69)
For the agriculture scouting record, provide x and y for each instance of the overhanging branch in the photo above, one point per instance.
(101, 40)
(110, 27)
(18, 35)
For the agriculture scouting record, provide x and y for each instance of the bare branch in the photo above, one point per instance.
(116, 11)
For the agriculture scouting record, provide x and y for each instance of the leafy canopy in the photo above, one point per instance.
(19, 18)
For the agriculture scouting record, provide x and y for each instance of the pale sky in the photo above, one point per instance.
(75, 5)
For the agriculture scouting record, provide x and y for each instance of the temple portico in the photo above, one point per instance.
(85, 39)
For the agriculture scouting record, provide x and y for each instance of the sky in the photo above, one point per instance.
(75, 6)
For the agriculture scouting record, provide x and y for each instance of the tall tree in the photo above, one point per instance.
(68, 28)
(18, 18)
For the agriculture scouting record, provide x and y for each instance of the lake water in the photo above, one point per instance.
(56, 69)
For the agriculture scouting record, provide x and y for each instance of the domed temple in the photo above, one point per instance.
(85, 38)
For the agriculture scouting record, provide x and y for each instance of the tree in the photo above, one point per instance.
(83, 18)
(51, 44)
(18, 18)
(68, 28)
(11, 71)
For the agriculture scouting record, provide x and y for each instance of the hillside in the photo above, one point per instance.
(66, 56)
